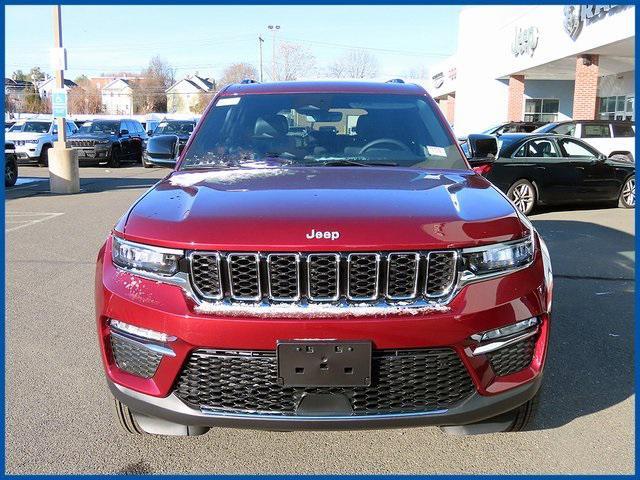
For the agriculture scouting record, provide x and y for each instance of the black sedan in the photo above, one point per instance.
(544, 169)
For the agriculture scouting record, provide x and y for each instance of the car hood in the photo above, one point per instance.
(10, 136)
(280, 208)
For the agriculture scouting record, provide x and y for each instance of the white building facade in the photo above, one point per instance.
(538, 63)
(117, 97)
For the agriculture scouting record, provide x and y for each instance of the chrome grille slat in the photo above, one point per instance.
(283, 273)
(363, 270)
(244, 276)
(441, 273)
(323, 276)
(402, 275)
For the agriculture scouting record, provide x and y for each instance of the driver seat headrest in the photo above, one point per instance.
(271, 126)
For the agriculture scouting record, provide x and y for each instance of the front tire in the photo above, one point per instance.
(43, 161)
(523, 195)
(127, 419)
(516, 420)
(627, 197)
(10, 173)
(114, 158)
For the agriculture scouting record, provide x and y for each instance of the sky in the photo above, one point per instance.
(206, 39)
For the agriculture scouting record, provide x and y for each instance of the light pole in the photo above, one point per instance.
(260, 42)
(274, 29)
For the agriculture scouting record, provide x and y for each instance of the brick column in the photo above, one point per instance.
(585, 93)
(450, 108)
(516, 98)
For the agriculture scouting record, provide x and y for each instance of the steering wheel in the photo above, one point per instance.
(379, 141)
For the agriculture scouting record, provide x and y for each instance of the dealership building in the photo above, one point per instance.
(538, 63)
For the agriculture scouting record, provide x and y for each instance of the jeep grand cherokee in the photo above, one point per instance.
(358, 276)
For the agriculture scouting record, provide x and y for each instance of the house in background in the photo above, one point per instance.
(117, 97)
(184, 95)
(47, 85)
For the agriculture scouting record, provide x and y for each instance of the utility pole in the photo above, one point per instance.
(260, 42)
(274, 29)
(64, 174)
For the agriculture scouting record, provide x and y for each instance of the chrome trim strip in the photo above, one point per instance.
(337, 270)
(218, 265)
(171, 251)
(377, 276)
(492, 246)
(256, 260)
(454, 279)
(221, 413)
(416, 276)
(498, 344)
(298, 280)
(142, 343)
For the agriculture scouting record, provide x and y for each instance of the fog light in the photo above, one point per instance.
(498, 338)
(140, 332)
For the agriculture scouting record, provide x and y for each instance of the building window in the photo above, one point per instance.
(541, 109)
(620, 107)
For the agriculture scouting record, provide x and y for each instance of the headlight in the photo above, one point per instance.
(145, 257)
(499, 258)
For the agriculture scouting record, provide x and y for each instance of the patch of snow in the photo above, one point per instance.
(316, 310)
(224, 176)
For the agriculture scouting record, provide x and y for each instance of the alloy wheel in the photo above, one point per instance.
(522, 197)
(629, 192)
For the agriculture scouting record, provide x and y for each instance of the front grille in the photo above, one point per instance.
(82, 143)
(403, 381)
(323, 277)
(513, 358)
(131, 357)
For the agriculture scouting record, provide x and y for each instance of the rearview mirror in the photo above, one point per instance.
(482, 146)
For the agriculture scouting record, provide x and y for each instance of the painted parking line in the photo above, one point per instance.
(17, 220)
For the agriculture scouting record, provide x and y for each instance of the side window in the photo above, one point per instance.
(595, 130)
(542, 149)
(565, 129)
(573, 149)
(622, 130)
(522, 152)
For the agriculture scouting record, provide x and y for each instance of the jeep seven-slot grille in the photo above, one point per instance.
(82, 143)
(323, 277)
(403, 381)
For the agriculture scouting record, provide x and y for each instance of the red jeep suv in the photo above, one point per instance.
(321, 258)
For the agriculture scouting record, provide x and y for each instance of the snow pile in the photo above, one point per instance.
(316, 310)
(222, 176)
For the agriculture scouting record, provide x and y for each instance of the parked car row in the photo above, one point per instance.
(105, 141)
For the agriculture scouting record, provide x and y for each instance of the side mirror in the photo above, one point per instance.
(602, 157)
(482, 146)
(124, 132)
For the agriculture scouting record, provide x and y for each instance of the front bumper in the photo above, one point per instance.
(476, 408)
(478, 307)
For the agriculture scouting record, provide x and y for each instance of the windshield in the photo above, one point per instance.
(174, 128)
(100, 127)
(31, 127)
(311, 129)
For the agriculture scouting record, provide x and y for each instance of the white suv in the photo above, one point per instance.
(614, 138)
(33, 139)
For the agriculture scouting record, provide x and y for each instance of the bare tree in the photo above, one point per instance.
(293, 61)
(149, 92)
(237, 72)
(85, 98)
(355, 64)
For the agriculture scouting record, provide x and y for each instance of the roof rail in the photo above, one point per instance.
(395, 80)
(248, 80)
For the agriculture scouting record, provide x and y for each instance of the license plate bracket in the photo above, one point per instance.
(324, 363)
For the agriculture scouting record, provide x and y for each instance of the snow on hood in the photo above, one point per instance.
(189, 179)
(316, 310)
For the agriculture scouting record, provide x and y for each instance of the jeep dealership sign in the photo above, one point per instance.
(525, 41)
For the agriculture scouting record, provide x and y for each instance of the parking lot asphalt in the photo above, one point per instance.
(59, 416)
